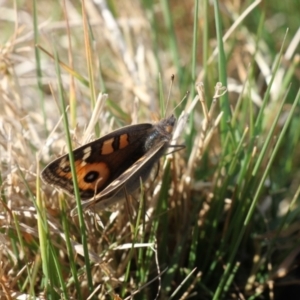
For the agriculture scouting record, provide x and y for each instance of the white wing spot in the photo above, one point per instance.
(64, 163)
(87, 152)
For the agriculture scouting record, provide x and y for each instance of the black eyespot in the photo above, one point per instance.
(91, 176)
(66, 169)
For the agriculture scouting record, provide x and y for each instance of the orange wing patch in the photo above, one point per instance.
(92, 176)
(123, 142)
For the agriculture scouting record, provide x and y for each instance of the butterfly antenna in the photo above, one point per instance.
(184, 98)
(169, 94)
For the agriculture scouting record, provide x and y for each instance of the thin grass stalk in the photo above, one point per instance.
(22, 247)
(89, 56)
(205, 43)
(277, 145)
(51, 279)
(289, 75)
(141, 217)
(72, 72)
(66, 229)
(172, 39)
(259, 119)
(42, 229)
(38, 64)
(229, 265)
(154, 32)
(194, 48)
(42, 232)
(74, 176)
(224, 101)
(72, 98)
(161, 96)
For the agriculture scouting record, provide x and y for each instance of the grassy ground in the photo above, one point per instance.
(221, 218)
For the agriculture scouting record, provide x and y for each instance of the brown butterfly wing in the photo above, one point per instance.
(99, 162)
(157, 142)
(127, 182)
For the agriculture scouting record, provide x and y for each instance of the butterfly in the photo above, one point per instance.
(113, 165)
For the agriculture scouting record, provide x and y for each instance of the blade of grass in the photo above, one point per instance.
(70, 56)
(224, 101)
(89, 57)
(22, 248)
(205, 43)
(194, 48)
(259, 119)
(66, 229)
(161, 96)
(224, 279)
(135, 230)
(38, 64)
(54, 278)
(149, 5)
(74, 175)
(42, 228)
(172, 39)
(71, 71)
